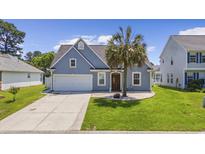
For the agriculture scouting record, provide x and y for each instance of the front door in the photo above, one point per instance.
(116, 82)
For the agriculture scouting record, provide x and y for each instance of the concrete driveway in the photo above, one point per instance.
(54, 113)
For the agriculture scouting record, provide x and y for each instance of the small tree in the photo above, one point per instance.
(14, 91)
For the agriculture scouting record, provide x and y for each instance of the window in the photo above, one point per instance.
(172, 61)
(136, 78)
(190, 76)
(171, 80)
(101, 79)
(72, 63)
(80, 45)
(203, 58)
(192, 58)
(167, 78)
(29, 75)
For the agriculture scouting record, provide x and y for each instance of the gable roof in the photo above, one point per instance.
(13, 64)
(61, 51)
(98, 49)
(190, 42)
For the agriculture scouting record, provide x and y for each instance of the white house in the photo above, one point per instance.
(183, 60)
(14, 72)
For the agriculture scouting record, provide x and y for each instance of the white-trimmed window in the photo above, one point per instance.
(101, 79)
(192, 58)
(136, 78)
(80, 45)
(72, 62)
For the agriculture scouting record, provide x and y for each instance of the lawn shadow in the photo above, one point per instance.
(9, 101)
(115, 103)
(173, 88)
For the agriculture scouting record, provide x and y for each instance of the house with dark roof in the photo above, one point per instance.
(183, 60)
(14, 72)
(83, 67)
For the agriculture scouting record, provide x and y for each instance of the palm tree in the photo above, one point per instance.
(125, 51)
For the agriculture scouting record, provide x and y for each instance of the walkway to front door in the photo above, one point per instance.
(115, 81)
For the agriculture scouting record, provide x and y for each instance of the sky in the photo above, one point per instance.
(47, 35)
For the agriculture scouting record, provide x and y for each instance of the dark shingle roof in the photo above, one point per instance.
(61, 51)
(98, 49)
(191, 42)
(10, 63)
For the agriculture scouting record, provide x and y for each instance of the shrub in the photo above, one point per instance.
(195, 85)
(14, 91)
(117, 95)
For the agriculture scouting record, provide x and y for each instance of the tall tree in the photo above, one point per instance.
(36, 53)
(10, 39)
(30, 55)
(125, 51)
(43, 62)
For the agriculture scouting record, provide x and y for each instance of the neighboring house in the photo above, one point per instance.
(183, 60)
(156, 74)
(14, 72)
(82, 67)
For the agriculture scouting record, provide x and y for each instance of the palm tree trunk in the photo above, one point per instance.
(124, 90)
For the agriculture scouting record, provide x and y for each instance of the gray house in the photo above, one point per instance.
(14, 72)
(83, 67)
(183, 60)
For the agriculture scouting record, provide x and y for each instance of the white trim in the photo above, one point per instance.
(111, 80)
(140, 78)
(84, 57)
(81, 46)
(194, 69)
(95, 53)
(99, 78)
(75, 63)
(73, 46)
(106, 70)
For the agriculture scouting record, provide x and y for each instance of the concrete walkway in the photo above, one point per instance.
(135, 95)
(58, 113)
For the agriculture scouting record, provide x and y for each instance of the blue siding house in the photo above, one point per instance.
(83, 67)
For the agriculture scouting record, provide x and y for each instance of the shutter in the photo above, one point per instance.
(194, 76)
(200, 57)
(197, 57)
(185, 78)
(188, 57)
(197, 75)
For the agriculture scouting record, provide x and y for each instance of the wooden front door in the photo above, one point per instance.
(116, 82)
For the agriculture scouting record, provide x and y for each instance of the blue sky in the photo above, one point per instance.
(47, 35)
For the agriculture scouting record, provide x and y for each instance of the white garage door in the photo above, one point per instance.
(63, 82)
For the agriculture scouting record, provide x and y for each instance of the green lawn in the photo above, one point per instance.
(24, 97)
(168, 110)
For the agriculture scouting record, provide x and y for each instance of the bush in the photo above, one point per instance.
(195, 85)
(14, 91)
(117, 95)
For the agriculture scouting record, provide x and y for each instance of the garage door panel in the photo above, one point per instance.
(72, 82)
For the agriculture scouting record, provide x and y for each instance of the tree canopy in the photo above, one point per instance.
(11, 39)
(43, 61)
(30, 55)
(125, 50)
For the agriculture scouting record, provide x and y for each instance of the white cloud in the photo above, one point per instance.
(103, 39)
(89, 39)
(151, 48)
(193, 31)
